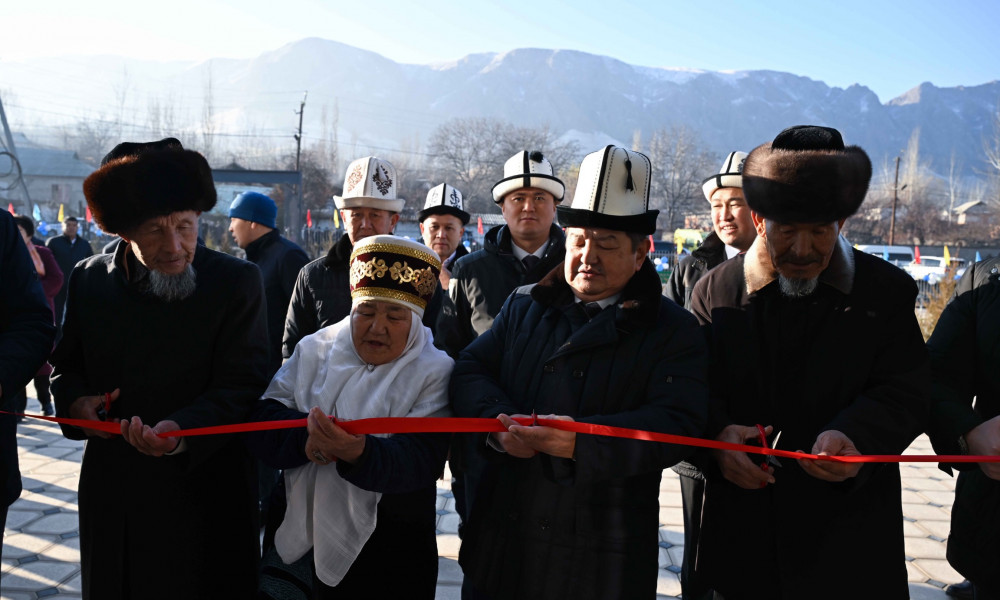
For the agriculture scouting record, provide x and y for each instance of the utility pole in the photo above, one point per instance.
(299, 220)
(16, 162)
(895, 197)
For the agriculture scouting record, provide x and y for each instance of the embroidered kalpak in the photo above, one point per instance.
(394, 269)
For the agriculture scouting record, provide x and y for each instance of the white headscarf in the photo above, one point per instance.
(325, 512)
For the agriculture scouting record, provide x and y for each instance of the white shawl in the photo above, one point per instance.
(324, 511)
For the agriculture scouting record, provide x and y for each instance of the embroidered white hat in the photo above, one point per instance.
(731, 175)
(444, 199)
(528, 170)
(612, 192)
(371, 183)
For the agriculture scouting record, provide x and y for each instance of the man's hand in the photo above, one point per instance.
(831, 443)
(524, 441)
(984, 440)
(328, 441)
(146, 438)
(736, 466)
(85, 408)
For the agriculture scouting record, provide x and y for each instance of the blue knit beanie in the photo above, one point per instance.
(256, 207)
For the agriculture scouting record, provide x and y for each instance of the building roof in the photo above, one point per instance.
(968, 205)
(44, 162)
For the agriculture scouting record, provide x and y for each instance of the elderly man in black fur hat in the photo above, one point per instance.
(561, 515)
(818, 342)
(162, 335)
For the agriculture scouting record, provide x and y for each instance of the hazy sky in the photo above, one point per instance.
(888, 46)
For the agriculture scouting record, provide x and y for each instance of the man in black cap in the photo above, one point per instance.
(561, 515)
(818, 342)
(253, 225)
(162, 335)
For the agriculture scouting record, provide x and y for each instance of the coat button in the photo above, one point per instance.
(512, 516)
(578, 373)
(549, 369)
(544, 524)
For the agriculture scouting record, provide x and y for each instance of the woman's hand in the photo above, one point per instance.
(328, 441)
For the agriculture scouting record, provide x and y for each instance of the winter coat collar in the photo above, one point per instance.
(257, 246)
(499, 241)
(339, 255)
(839, 274)
(711, 247)
(640, 299)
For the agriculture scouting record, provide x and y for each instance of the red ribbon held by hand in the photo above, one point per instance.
(469, 425)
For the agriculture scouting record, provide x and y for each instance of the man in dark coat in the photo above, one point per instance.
(733, 232)
(164, 334)
(561, 515)
(26, 333)
(253, 225)
(322, 294)
(965, 353)
(442, 225)
(518, 253)
(819, 342)
(69, 249)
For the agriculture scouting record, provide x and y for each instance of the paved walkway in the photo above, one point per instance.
(41, 552)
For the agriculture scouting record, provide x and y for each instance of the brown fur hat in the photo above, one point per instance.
(806, 175)
(129, 190)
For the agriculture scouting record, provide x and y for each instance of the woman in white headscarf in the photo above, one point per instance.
(365, 505)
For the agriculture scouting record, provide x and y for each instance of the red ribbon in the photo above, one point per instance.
(465, 425)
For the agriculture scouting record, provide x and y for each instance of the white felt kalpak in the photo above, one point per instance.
(528, 170)
(730, 175)
(370, 182)
(612, 192)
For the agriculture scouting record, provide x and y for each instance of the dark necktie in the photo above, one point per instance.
(591, 309)
(530, 261)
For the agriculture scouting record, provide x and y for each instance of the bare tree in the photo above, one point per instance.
(469, 153)
(991, 148)
(679, 165)
(90, 138)
(121, 90)
(208, 117)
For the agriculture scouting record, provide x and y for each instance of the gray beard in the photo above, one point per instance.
(797, 288)
(170, 288)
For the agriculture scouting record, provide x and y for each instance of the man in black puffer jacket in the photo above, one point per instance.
(322, 294)
(965, 352)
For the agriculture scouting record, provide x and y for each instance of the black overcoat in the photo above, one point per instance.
(549, 527)
(181, 526)
(965, 364)
(849, 357)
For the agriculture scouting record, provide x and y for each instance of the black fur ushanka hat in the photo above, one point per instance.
(146, 181)
(806, 175)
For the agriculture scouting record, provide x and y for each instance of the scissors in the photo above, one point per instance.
(769, 460)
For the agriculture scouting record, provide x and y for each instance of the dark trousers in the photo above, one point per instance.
(693, 498)
(3, 513)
